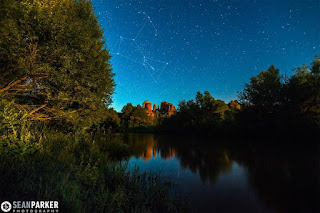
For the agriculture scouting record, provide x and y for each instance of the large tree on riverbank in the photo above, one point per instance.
(271, 100)
(53, 59)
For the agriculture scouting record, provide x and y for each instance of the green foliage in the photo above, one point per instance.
(54, 50)
(140, 116)
(270, 101)
(127, 110)
(204, 114)
(83, 172)
(110, 123)
(303, 87)
(16, 137)
(264, 92)
(82, 176)
(135, 117)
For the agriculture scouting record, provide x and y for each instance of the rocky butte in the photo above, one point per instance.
(147, 105)
(165, 108)
(234, 105)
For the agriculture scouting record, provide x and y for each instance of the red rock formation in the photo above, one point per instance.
(147, 105)
(234, 105)
(167, 108)
(149, 153)
(167, 154)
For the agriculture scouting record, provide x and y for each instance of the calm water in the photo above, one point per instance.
(232, 178)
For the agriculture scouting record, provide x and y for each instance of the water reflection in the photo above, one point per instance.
(146, 146)
(288, 179)
(227, 177)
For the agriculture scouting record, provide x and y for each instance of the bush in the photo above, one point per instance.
(16, 138)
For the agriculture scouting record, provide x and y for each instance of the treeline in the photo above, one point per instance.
(270, 104)
(204, 114)
(286, 104)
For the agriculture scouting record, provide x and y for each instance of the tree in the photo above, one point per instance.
(272, 103)
(111, 123)
(126, 114)
(303, 90)
(202, 114)
(134, 116)
(53, 59)
(127, 110)
(264, 92)
(140, 116)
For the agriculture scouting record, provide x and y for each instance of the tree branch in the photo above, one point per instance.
(37, 109)
(14, 83)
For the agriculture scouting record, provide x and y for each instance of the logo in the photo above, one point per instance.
(30, 206)
(6, 206)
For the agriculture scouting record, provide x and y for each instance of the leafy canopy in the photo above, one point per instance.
(204, 112)
(52, 55)
(264, 92)
(134, 116)
(297, 98)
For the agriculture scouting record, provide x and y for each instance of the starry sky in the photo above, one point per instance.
(167, 50)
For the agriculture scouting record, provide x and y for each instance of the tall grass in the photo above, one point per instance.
(85, 174)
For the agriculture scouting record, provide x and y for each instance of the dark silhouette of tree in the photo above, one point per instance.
(264, 92)
(282, 106)
(303, 90)
(204, 114)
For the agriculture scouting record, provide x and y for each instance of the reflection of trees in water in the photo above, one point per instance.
(141, 145)
(146, 146)
(207, 161)
(167, 152)
(287, 180)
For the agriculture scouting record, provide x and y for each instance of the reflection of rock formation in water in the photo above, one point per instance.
(150, 151)
(287, 181)
(208, 162)
(168, 153)
(147, 146)
(140, 143)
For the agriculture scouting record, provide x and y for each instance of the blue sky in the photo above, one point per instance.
(167, 50)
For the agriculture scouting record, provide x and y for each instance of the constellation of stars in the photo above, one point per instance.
(146, 62)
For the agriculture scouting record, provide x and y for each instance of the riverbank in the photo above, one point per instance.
(86, 176)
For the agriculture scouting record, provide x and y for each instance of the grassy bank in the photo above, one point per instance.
(85, 174)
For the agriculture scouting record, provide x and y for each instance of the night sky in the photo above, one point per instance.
(167, 50)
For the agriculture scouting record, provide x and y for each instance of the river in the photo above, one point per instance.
(228, 176)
